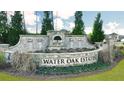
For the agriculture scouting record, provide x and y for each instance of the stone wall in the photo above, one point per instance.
(65, 59)
(76, 41)
(4, 47)
(31, 43)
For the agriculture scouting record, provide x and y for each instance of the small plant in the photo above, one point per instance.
(71, 69)
(2, 60)
(121, 47)
(122, 52)
(3, 64)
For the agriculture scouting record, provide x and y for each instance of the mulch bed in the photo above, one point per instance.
(4, 66)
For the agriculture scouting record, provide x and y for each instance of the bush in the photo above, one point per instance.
(121, 47)
(118, 52)
(2, 59)
(71, 69)
(3, 64)
(122, 52)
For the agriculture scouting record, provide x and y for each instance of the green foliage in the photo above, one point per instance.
(71, 69)
(3, 27)
(3, 64)
(118, 52)
(98, 33)
(2, 59)
(79, 24)
(122, 52)
(89, 37)
(47, 22)
(16, 28)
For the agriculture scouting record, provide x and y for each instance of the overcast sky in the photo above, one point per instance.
(112, 21)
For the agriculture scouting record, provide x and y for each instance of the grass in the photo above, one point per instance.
(7, 77)
(116, 74)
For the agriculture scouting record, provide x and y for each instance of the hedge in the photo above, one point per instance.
(71, 69)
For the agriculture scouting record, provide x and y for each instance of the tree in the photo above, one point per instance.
(79, 24)
(89, 36)
(3, 27)
(47, 23)
(16, 28)
(97, 33)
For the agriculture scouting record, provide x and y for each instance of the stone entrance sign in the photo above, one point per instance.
(70, 59)
(38, 47)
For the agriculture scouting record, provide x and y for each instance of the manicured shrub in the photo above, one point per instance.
(71, 69)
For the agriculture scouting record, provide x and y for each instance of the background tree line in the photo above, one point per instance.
(97, 34)
(10, 31)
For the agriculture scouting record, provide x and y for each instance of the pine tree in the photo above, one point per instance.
(3, 27)
(47, 22)
(16, 28)
(79, 24)
(98, 33)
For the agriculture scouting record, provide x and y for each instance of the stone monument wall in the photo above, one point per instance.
(62, 59)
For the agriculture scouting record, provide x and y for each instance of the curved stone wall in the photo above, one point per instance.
(33, 43)
(29, 43)
(65, 59)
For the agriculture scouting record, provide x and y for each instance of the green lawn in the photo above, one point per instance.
(6, 77)
(117, 73)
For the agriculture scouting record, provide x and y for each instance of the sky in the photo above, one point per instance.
(113, 21)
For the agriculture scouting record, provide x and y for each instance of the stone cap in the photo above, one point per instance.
(33, 35)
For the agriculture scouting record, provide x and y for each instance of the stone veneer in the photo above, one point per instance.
(33, 43)
(65, 59)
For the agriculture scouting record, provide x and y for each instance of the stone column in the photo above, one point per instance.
(110, 43)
